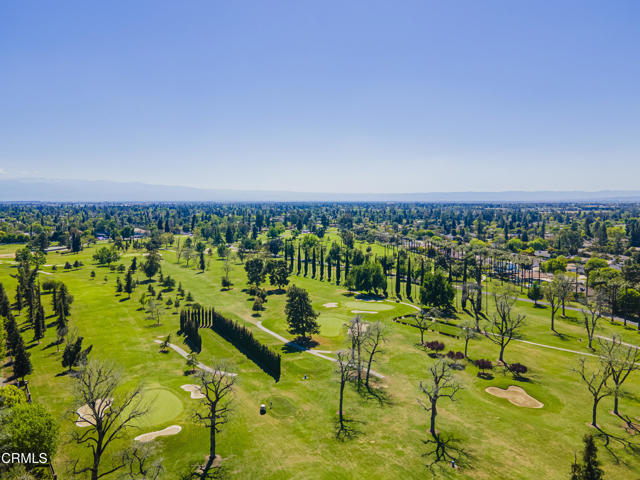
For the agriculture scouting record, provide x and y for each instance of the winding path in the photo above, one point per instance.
(184, 354)
(540, 344)
(302, 349)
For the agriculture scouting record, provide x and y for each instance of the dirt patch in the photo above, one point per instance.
(147, 437)
(330, 305)
(85, 415)
(7, 255)
(515, 395)
(362, 311)
(194, 389)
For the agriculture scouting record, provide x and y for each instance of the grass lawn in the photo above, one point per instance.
(297, 436)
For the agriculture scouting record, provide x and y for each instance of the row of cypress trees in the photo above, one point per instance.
(241, 337)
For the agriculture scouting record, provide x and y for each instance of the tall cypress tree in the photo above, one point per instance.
(306, 261)
(346, 263)
(313, 263)
(39, 324)
(13, 334)
(398, 275)
(299, 260)
(5, 305)
(338, 269)
(408, 277)
(321, 263)
(328, 269)
(21, 361)
(421, 271)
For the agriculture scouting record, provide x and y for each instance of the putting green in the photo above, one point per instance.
(163, 404)
(333, 324)
(373, 306)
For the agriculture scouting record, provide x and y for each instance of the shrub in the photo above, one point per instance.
(67, 266)
(483, 364)
(258, 304)
(436, 346)
(517, 369)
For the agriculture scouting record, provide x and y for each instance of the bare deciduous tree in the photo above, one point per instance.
(376, 336)
(621, 360)
(474, 295)
(140, 462)
(344, 370)
(553, 299)
(504, 326)
(217, 386)
(596, 382)
(564, 286)
(591, 314)
(441, 384)
(468, 333)
(358, 330)
(107, 414)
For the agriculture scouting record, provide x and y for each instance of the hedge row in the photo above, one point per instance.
(240, 336)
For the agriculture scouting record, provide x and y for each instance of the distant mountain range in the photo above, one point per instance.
(47, 190)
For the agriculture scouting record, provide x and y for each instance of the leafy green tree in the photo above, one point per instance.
(535, 292)
(128, 283)
(436, 291)
(21, 360)
(73, 355)
(301, 317)
(367, 277)
(408, 285)
(10, 396)
(151, 265)
(29, 428)
(278, 273)
(255, 271)
(105, 255)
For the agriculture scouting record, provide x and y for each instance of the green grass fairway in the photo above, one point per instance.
(296, 438)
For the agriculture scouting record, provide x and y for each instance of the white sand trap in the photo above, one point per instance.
(362, 311)
(147, 437)
(85, 415)
(194, 389)
(363, 329)
(515, 395)
(330, 305)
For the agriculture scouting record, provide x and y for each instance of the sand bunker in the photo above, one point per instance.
(363, 329)
(194, 389)
(85, 415)
(330, 305)
(515, 395)
(362, 311)
(147, 437)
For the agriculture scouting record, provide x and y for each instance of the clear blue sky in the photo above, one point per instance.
(360, 96)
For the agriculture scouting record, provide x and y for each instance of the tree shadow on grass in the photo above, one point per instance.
(609, 441)
(442, 450)
(297, 345)
(378, 394)
(347, 429)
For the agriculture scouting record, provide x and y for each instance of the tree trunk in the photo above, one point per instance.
(434, 413)
(615, 401)
(502, 353)
(340, 408)
(553, 314)
(466, 343)
(595, 410)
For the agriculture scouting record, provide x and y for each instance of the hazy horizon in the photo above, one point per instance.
(365, 97)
